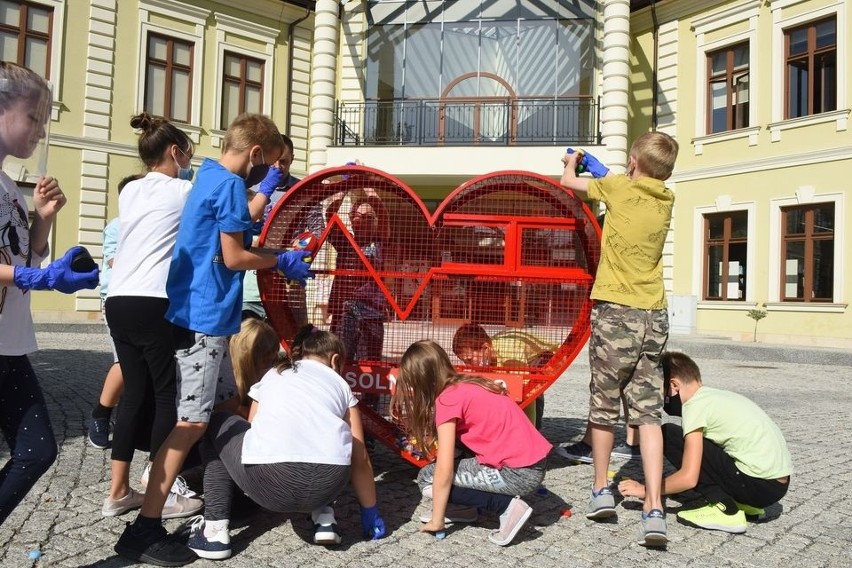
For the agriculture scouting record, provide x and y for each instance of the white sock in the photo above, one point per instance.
(323, 516)
(211, 528)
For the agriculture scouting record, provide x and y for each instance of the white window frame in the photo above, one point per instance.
(197, 18)
(805, 195)
(256, 33)
(723, 204)
(779, 25)
(747, 12)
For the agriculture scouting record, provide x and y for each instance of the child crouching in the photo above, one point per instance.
(438, 404)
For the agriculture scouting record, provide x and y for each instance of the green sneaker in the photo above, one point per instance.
(713, 517)
(752, 513)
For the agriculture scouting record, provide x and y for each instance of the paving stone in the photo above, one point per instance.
(805, 390)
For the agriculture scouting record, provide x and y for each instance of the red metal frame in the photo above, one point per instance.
(498, 236)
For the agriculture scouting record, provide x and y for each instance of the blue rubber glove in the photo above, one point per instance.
(293, 266)
(57, 276)
(372, 524)
(593, 166)
(269, 183)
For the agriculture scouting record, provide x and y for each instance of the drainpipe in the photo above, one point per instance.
(654, 86)
(291, 33)
(323, 82)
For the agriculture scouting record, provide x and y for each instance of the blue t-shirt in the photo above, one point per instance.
(205, 295)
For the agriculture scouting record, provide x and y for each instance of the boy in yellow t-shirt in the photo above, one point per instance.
(728, 450)
(629, 321)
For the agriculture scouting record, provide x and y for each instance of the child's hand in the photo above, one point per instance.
(58, 275)
(372, 524)
(270, 182)
(434, 525)
(594, 166)
(48, 198)
(294, 266)
(630, 488)
(569, 160)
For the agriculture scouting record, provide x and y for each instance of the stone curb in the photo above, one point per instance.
(694, 345)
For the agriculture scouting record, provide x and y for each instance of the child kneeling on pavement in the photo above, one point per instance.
(302, 444)
(728, 450)
(437, 404)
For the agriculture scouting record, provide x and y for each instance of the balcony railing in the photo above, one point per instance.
(468, 122)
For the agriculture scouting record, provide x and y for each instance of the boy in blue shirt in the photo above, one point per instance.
(205, 294)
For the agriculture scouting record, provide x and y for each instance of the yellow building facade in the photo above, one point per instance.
(439, 92)
(757, 95)
(198, 63)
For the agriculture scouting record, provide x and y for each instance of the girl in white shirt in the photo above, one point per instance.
(136, 303)
(297, 451)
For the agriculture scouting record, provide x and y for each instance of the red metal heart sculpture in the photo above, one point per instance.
(509, 254)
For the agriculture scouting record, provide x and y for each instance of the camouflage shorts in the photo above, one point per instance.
(624, 355)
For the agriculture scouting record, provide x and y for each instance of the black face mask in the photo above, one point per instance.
(672, 405)
(257, 173)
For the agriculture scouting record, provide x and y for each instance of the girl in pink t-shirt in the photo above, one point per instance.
(439, 405)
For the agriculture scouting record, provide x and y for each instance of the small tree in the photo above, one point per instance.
(757, 314)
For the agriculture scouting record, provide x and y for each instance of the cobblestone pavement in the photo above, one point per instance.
(810, 527)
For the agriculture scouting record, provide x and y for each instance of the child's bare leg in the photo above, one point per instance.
(113, 387)
(651, 447)
(602, 440)
(119, 485)
(167, 465)
(632, 435)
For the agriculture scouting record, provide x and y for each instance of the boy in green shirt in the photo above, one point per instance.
(728, 450)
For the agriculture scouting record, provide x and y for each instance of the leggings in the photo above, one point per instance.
(143, 338)
(719, 480)
(26, 428)
(484, 487)
(285, 487)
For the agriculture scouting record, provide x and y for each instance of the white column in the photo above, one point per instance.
(324, 82)
(615, 71)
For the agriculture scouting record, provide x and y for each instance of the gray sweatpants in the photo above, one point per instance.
(471, 474)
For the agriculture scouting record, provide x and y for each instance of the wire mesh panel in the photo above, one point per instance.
(499, 275)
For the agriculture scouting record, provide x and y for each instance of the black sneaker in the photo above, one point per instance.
(99, 432)
(581, 452)
(155, 546)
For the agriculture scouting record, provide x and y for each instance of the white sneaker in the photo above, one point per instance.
(179, 486)
(511, 521)
(177, 506)
(325, 526)
(115, 507)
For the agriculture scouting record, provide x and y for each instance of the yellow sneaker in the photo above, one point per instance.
(752, 513)
(713, 517)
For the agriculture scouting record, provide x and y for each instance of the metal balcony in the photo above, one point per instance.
(531, 121)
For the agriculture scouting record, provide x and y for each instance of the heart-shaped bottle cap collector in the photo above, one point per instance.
(499, 274)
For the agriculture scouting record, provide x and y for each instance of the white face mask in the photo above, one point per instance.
(184, 173)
